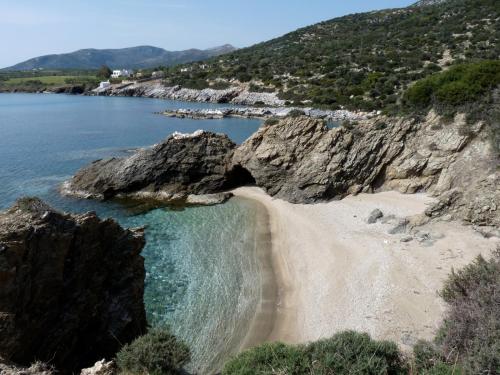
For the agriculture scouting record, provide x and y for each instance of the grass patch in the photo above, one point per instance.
(48, 80)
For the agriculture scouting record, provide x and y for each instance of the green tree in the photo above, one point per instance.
(104, 72)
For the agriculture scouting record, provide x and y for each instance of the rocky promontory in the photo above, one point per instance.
(169, 171)
(301, 160)
(71, 289)
(265, 112)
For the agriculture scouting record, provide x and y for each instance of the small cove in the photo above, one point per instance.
(202, 265)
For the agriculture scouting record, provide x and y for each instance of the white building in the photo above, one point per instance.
(104, 85)
(122, 73)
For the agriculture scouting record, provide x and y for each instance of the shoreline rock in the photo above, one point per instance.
(181, 165)
(72, 287)
(264, 112)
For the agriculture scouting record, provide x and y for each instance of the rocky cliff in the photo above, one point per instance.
(301, 160)
(71, 286)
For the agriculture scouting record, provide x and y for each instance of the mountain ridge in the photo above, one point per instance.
(132, 57)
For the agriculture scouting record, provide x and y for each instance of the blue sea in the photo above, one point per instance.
(202, 270)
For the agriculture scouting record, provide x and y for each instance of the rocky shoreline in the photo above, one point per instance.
(257, 105)
(72, 287)
(156, 89)
(301, 160)
(264, 112)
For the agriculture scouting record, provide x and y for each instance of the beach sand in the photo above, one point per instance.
(331, 271)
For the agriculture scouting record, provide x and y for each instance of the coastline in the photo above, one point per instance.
(251, 105)
(335, 272)
(256, 327)
(264, 317)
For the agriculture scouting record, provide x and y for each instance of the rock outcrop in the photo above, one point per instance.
(301, 160)
(265, 112)
(156, 89)
(37, 368)
(71, 286)
(170, 171)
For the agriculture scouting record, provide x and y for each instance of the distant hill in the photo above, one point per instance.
(134, 57)
(360, 61)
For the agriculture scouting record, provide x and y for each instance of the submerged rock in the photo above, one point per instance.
(71, 286)
(208, 199)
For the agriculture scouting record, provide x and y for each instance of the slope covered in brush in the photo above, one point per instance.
(362, 60)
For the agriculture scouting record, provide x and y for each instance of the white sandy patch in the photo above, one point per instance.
(336, 272)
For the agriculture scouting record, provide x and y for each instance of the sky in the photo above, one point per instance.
(30, 28)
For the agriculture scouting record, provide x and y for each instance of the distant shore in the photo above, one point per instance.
(336, 272)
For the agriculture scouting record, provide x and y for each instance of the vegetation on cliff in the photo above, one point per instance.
(361, 61)
(459, 88)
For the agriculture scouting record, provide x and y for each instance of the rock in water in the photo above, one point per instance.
(181, 165)
(71, 286)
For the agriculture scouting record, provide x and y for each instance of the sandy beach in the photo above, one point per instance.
(333, 271)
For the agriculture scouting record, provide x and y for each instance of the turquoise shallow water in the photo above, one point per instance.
(202, 273)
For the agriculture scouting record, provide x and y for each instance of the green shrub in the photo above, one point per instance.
(345, 353)
(355, 353)
(158, 352)
(428, 360)
(380, 125)
(294, 113)
(272, 121)
(275, 358)
(470, 333)
(220, 85)
(461, 85)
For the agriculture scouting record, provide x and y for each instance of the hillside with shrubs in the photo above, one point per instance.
(359, 61)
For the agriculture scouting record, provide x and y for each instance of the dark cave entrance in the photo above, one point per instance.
(238, 176)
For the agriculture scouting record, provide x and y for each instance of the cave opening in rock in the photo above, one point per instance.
(239, 176)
